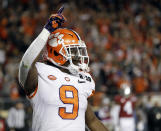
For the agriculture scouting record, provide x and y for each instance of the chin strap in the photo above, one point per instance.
(73, 69)
(76, 69)
(84, 67)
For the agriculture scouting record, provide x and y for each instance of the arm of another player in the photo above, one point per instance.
(27, 70)
(92, 121)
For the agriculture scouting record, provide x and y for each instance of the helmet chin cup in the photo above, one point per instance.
(73, 69)
(84, 67)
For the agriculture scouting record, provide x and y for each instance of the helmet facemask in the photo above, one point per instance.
(76, 56)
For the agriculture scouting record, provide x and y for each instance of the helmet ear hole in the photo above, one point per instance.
(51, 50)
(55, 53)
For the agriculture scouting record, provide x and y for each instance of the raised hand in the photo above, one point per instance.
(55, 21)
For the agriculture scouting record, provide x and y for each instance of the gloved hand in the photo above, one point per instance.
(55, 21)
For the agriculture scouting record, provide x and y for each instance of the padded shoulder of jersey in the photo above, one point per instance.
(89, 83)
(43, 68)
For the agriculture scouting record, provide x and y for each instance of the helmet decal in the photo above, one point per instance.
(58, 39)
(53, 42)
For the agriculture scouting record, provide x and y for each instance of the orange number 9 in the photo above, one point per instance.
(68, 100)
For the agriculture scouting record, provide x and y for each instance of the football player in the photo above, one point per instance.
(126, 114)
(58, 87)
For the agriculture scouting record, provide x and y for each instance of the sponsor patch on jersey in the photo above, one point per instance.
(67, 78)
(51, 77)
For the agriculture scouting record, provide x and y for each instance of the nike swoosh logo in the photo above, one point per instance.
(81, 81)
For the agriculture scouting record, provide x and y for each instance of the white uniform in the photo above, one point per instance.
(61, 100)
(127, 124)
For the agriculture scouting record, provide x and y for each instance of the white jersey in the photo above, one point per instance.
(127, 124)
(61, 100)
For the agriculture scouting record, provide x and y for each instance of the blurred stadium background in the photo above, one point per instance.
(124, 43)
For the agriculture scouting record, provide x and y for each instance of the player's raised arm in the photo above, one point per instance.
(26, 73)
(92, 121)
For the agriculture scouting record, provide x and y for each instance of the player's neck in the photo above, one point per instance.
(60, 68)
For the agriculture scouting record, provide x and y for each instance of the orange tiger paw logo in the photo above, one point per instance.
(51, 77)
